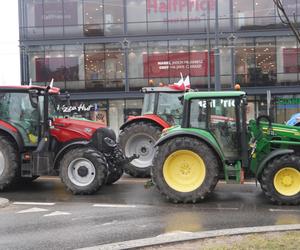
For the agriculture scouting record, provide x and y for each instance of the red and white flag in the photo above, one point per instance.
(183, 84)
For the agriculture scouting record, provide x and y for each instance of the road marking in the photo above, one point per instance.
(56, 213)
(114, 205)
(34, 203)
(284, 210)
(32, 210)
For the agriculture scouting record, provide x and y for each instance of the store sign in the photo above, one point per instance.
(69, 109)
(288, 103)
(170, 6)
(170, 64)
(290, 60)
(56, 14)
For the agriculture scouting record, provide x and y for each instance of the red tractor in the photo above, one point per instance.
(162, 109)
(36, 140)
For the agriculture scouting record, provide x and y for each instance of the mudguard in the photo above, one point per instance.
(66, 147)
(165, 138)
(13, 133)
(148, 118)
(272, 155)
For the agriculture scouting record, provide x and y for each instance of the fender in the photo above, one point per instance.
(270, 156)
(148, 118)
(13, 133)
(163, 139)
(65, 148)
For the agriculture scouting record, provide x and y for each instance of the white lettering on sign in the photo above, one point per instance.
(213, 103)
(179, 5)
(69, 109)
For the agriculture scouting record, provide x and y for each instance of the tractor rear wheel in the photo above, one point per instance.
(83, 170)
(280, 180)
(185, 170)
(139, 138)
(114, 176)
(9, 163)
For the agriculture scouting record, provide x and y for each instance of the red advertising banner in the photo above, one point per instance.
(290, 60)
(171, 64)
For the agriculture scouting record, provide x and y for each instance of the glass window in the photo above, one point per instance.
(287, 61)
(73, 18)
(113, 17)
(93, 17)
(198, 114)
(114, 66)
(74, 69)
(116, 114)
(245, 62)
(243, 14)
(95, 66)
(133, 108)
(179, 59)
(136, 10)
(149, 103)
(17, 109)
(178, 16)
(36, 58)
(137, 17)
(223, 125)
(137, 57)
(264, 12)
(265, 57)
(170, 108)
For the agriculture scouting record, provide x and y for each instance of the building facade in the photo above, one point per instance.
(104, 52)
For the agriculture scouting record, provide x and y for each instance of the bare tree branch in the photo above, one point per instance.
(284, 18)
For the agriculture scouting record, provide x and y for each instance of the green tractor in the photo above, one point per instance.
(216, 140)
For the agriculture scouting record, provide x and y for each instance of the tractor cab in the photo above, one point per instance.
(222, 114)
(163, 102)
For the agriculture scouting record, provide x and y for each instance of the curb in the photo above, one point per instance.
(177, 237)
(4, 202)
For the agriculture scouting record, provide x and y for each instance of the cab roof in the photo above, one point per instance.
(53, 90)
(166, 89)
(213, 94)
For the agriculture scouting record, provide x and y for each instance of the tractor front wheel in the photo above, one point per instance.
(9, 163)
(83, 170)
(280, 180)
(139, 138)
(185, 170)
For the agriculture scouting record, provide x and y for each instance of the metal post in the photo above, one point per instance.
(217, 50)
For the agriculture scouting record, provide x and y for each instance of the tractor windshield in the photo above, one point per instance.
(149, 103)
(219, 116)
(170, 108)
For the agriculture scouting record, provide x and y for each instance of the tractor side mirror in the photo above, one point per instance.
(34, 98)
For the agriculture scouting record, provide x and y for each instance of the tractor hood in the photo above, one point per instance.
(67, 129)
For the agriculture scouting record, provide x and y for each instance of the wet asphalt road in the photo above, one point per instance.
(125, 211)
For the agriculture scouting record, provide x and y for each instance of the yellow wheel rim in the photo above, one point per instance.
(287, 181)
(184, 171)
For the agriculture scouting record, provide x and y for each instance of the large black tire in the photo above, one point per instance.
(274, 173)
(9, 162)
(185, 170)
(114, 175)
(139, 138)
(83, 170)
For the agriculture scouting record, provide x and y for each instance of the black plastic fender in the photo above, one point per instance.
(65, 148)
(269, 157)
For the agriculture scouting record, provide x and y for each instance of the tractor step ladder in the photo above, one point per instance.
(234, 174)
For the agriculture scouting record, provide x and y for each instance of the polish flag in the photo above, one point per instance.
(183, 84)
